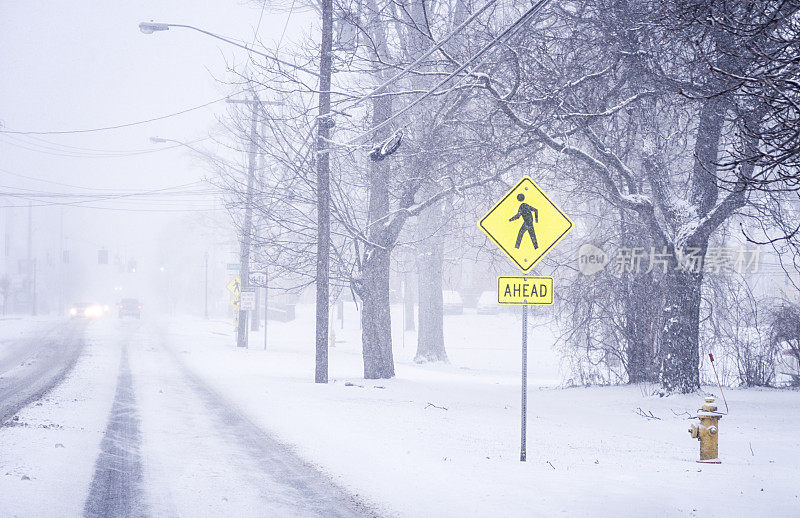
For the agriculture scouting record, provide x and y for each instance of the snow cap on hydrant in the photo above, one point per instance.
(707, 432)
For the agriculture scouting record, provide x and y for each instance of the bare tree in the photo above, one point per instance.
(592, 65)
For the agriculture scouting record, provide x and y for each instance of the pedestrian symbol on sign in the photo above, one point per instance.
(529, 214)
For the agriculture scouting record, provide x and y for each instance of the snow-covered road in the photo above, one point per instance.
(132, 432)
(34, 360)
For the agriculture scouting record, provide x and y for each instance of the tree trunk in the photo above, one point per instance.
(680, 339)
(373, 288)
(430, 260)
(408, 299)
(430, 250)
(641, 311)
(680, 352)
(376, 323)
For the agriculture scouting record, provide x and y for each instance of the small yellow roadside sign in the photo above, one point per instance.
(235, 286)
(525, 290)
(525, 224)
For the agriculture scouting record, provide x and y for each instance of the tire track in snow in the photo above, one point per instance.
(116, 488)
(285, 479)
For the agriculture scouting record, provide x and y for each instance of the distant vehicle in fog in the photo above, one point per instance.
(86, 310)
(281, 312)
(453, 304)
(130, 308)
(487, 303)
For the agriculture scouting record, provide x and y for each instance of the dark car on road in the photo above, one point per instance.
(130, 308)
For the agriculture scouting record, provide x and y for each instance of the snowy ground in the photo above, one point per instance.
(130, 433)
(587, 447)
(438, 440)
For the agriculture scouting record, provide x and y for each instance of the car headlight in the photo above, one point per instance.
(93, 311)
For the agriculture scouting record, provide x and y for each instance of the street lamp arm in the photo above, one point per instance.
(150, 27)
(161, 140)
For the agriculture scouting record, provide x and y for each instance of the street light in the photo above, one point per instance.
(161, 140)
(151, 27)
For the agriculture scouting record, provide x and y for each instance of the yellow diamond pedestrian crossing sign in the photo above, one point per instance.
(235, 286)
(525, 224)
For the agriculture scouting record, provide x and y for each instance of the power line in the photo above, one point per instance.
(33, 178)
(54, 148)
(115, 209)
(424, 56)
(170, 190)
(409, 67)
(68, 154)
(135, 196)
(120, 126)
(514, 27)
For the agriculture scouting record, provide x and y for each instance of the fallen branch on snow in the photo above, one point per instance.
(648, 415)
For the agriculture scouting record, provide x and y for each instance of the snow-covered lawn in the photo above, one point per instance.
(443, 439)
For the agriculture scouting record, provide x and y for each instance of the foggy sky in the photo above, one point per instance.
(80, 65)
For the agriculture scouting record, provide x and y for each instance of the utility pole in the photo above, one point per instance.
(266, 306)
(324, 123)
(60, 262)
(262, 183)
(247, 230)
(205, 308)
(30, 267)
(244, 249)
(33, 302)
(254, 316)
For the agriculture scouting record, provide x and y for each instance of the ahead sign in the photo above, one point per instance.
(525, 290)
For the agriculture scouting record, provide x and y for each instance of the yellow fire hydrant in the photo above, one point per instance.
(707, 432)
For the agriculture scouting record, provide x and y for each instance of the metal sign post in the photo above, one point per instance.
(266, 307)
(524, 291)
(522, 450)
